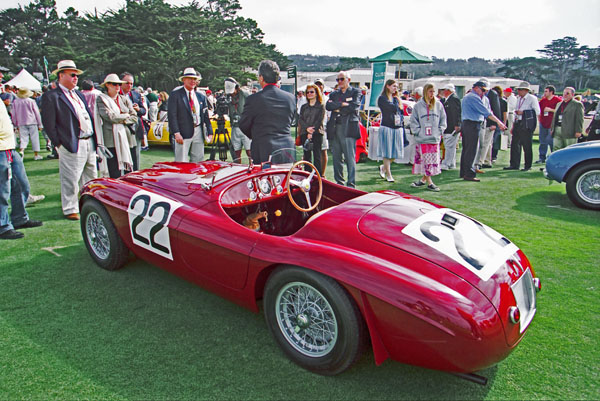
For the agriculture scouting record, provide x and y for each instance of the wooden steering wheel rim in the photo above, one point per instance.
(289, 191)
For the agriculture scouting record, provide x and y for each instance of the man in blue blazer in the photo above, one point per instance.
(188, 118)
(70, 126)
(343, 128)
(268, 115)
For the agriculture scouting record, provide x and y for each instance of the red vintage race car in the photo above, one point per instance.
(336, 268)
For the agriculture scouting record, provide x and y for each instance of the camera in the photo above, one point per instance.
(222, 105)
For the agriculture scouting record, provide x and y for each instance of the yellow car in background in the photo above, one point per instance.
(159, 132)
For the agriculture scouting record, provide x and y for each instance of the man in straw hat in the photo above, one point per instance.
(526, 116)
(69, 124)
(474, 112)
(26, 117)
(188, 118)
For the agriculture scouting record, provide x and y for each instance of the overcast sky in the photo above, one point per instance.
(444, 29)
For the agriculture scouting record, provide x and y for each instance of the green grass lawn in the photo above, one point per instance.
(70, 330)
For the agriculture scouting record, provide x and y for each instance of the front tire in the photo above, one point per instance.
(314, 320)
(101, 237)
(583, 186)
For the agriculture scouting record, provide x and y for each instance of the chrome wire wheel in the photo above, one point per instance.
(97, 235)
(306, 319)
(588, 187)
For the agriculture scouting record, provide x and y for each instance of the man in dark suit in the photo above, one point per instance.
(343, 128)
(453, 110)
(69, 124)
(188, 118)
(140, 109)
(268, 115)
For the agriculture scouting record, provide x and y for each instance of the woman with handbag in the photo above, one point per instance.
(310, 125)
(391, 131)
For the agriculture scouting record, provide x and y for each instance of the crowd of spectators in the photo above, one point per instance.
(100, 130)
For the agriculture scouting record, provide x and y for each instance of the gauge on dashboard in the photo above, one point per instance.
(277, 180)
(250, 185)
(265, 186)
(279, 189)
(252, 196)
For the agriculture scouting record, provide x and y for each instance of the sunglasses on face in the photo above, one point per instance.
(73, 75)
(340, 79)
(307, 92)
(114, 84)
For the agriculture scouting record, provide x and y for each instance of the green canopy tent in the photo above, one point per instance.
(402, 55)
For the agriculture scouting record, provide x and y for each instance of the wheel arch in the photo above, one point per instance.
(359, 297)
(567, 176)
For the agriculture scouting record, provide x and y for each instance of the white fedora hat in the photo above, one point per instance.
(190, 72)
(524, 85)
(67, 65)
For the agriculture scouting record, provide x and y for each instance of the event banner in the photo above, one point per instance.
(377, 81)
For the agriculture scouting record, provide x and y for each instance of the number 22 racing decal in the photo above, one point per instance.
(149, 216)
(470, 243)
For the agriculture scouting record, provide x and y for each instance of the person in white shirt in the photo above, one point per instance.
(511, 101)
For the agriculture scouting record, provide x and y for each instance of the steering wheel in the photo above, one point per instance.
(304, 185)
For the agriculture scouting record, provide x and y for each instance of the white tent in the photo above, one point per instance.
(25, 80)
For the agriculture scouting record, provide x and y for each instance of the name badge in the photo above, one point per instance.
(560, 119)
(428, 131)
(397, 120)
(348, 99)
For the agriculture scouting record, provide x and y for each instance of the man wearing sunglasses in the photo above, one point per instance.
(343, 128)
(69, 124)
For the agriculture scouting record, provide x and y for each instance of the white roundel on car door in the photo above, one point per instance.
(474, 245)
(149, 215)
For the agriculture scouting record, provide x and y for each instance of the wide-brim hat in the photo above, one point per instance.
(24, 93)
(67, 65)
(449, 87)
(190, 73)
(524, 85)
(112, 79)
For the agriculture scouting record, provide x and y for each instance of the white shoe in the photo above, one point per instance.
(34, 199)
(38, 157)
(390, 179)
(381, 173)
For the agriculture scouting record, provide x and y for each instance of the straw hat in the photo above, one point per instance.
(524, 85)
(67, 65)
(24, 93)
(190, 73)
(112, 79)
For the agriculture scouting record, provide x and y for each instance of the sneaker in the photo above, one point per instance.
(30, 224)
(444, 168)
(48, 147)
(144, 148)
(418, 183)
(32, 199)
(11, 234)
(52, 157)
(433, 187)
(38, 157)
(381, 173)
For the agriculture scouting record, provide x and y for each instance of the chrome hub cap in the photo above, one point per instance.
(588, 187)
(97, 235)
(306, 319)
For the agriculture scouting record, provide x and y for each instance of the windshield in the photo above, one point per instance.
(282, 157)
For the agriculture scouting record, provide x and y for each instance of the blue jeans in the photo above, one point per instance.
(546, 142)
(17, 189)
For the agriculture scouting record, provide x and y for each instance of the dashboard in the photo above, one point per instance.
(255, 189)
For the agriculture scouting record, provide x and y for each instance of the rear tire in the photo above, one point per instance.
(583, 186)
(101, 237)
(314, 320)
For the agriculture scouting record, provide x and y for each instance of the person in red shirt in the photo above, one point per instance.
(547, 107)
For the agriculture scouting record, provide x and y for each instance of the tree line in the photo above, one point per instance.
(563, 62)
(151, 39)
